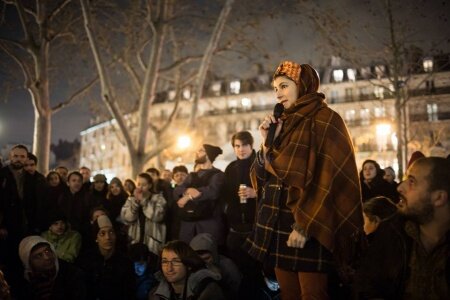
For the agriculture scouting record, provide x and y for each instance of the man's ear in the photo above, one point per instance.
(439, 198)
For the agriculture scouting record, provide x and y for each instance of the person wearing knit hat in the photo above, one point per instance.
(67, 242)
(46, 276)
(309, 184)
(198, 197)
(109, 273)
(212, 151)
(415, 156)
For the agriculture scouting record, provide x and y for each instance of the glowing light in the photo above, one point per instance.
(183, 142)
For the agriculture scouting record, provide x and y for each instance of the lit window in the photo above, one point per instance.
(351, 74)
(215, 88)
(432, 111)
(380, 112)
(235, 87)
(171, 95)
(380, 70)
(338, 75)
(379, 92)
(428, 64)
(186, 94)
(246, 103)
(232, 103)
(365, 116)
(365, 72)
(334, 96)
(350, 115)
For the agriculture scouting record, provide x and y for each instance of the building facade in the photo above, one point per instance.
(365, 102)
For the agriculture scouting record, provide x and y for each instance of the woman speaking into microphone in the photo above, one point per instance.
(308, 188)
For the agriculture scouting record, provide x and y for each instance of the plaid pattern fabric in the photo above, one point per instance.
(267, 243)
(289, 69)
(314, 157)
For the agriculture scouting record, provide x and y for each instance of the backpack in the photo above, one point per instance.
(199, 210)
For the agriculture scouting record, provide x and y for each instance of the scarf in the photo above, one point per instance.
(314, 157)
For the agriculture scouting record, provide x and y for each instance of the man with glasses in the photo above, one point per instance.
(185, 275)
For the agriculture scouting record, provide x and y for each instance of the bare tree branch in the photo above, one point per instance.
(57, 10)
(26, 72)
(77, 94)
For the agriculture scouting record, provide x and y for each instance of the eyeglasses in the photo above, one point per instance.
(174, 263)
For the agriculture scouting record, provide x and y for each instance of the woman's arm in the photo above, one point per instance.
(129, 212)
(155, 208)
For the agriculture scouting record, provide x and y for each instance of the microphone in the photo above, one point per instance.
(277, 111)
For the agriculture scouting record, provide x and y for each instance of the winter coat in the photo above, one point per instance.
(201, 285)
(67, 245)
(108, 279)
(240, 216)
(152, 210)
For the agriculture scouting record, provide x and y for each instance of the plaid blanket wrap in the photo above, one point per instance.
(314, 156)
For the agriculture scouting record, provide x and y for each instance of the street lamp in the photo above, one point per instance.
(183, 142)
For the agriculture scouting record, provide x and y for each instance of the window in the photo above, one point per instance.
(338, 75)
(348, 94)
(380, 70)
(365, 72)
(350, 116)
(216, 88)
(351, 74)
(246, 103)
(428, 64)
(432, 111)
(186, 94)
(379, 92)
(365, 116)
(333, 96)
(380, 112)
(171, 95)
(235, 87)
(364, 93)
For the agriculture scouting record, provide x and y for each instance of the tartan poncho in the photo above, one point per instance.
(314, 156)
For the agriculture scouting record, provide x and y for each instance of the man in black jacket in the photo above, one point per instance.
(13, 217)
(408, 258)
(198, 198)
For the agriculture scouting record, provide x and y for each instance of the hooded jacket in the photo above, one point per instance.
(231, 276)
(211, 291)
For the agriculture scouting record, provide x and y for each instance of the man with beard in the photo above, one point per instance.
(198, 198)
(408, 257)
(13, 221)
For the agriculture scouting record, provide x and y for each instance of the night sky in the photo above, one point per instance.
(283, 38)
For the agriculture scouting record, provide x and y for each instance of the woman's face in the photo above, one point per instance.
(96, 214)
(173, 269)
(53, 180)
(129, 187)
(286, 91)
(115, 189)
(369, 171)
(389, 175)
(143, 184)
(106, 238)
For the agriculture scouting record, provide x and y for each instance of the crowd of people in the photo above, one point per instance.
(291, 220)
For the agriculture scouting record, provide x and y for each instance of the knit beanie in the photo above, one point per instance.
(415, 156)
(56, 216)
(101, 222)
(212, 151)
(25, 248)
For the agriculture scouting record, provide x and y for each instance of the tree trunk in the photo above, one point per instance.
(42, 140)
(207, 57)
